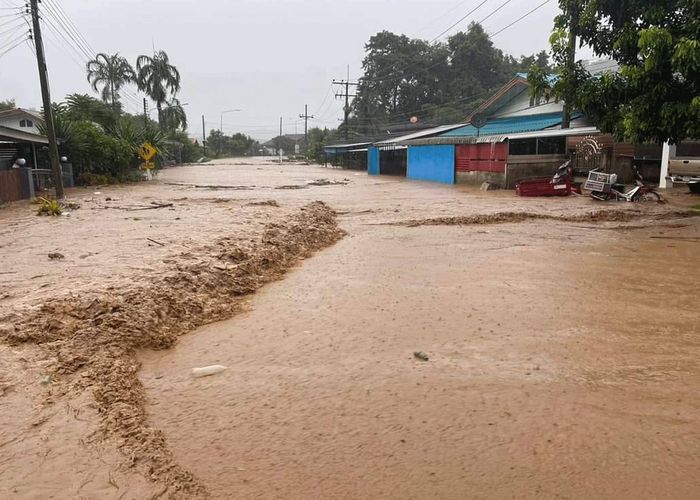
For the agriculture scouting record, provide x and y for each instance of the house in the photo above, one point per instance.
(21, 119)
(509, 137)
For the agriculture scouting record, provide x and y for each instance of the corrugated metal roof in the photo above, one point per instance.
(508, 125)
(502, 137)
(14, 135)
(418, 135)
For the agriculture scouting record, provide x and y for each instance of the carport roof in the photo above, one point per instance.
(14, 135)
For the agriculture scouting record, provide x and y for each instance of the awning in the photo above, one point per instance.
(14, 135)
(503, 137)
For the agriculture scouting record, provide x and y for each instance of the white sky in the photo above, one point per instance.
(266, 57)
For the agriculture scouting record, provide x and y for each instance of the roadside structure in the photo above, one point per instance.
(509, 137)
(21, 147)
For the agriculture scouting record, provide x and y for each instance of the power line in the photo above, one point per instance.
(448, 11)
(495, 10)
(459, 21)
(520, 18)
(20, 42)
(77, 42)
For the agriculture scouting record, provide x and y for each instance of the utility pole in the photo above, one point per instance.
(204, 138)
(347, 83)
(145, 113)
(279, 142)
(46, 99)
(570, 62)
(306, 117)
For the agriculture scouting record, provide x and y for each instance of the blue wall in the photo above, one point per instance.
(373, 161)
(432, 163)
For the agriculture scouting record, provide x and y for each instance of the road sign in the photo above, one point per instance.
(147, 151)
(148, 165)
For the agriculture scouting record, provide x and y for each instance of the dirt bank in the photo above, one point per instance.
(93, 337)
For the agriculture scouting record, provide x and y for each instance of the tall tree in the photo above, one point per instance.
(437, 83)
(111, 72)
(174, 116)
(159, 79)
(656, 94)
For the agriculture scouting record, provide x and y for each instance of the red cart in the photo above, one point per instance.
(558, 185)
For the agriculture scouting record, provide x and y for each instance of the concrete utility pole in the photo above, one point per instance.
(46, 100)
(306, 117)
(570, 62)
(204, 138)
(346, 109)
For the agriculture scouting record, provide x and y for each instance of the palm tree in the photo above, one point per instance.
(157, 78)
(111, 72)
(174, 116)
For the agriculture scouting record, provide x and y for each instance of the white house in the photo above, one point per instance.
(21, 119)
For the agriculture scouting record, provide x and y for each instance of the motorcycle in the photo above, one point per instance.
(604, 187)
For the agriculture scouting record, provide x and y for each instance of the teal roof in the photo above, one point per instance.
(511, 125)
(551, 78)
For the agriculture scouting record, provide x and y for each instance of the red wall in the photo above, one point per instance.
(487, 157)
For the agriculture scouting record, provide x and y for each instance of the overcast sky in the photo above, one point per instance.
(266, 57)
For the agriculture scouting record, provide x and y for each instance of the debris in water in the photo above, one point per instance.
(206, 371)
(421, 355)
(56, 256)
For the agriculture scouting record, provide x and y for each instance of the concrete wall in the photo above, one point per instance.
(524, 166)
(432, 163)
(478, 178)
(373, 161)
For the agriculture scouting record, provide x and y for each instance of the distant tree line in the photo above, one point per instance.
(221, 145)
(435, 83)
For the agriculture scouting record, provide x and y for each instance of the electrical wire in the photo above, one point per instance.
(75, 39)
(495, 10)
(458, 22)
(520, 18)
(23, 38)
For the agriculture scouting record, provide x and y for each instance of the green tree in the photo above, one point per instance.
(111, 72)
(7, 105)
(656, 94)
(439, 83)
(159, 79)
(82, 107)
(174, 116)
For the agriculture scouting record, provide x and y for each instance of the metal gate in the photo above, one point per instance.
(588, 155)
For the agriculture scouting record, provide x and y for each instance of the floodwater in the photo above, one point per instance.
(562, 358)
(562, 354)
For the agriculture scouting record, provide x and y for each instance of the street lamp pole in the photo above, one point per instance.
(221, 126)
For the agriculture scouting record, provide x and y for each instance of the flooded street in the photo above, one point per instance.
(562, 355)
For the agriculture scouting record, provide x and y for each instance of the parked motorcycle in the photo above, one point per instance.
(604, 187)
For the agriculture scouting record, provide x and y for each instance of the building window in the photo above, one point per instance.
(26, 123)
(538, 146)
(523, 147)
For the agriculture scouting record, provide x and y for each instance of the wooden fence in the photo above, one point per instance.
(12, 185)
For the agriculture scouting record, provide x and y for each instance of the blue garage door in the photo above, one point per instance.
(373, 161)
(432, 163)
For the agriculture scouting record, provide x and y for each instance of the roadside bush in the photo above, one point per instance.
(95, 153)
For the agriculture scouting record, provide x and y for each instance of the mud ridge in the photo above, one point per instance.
(94, 336)
(515, 217)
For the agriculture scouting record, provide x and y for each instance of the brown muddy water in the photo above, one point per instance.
(562, 354)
